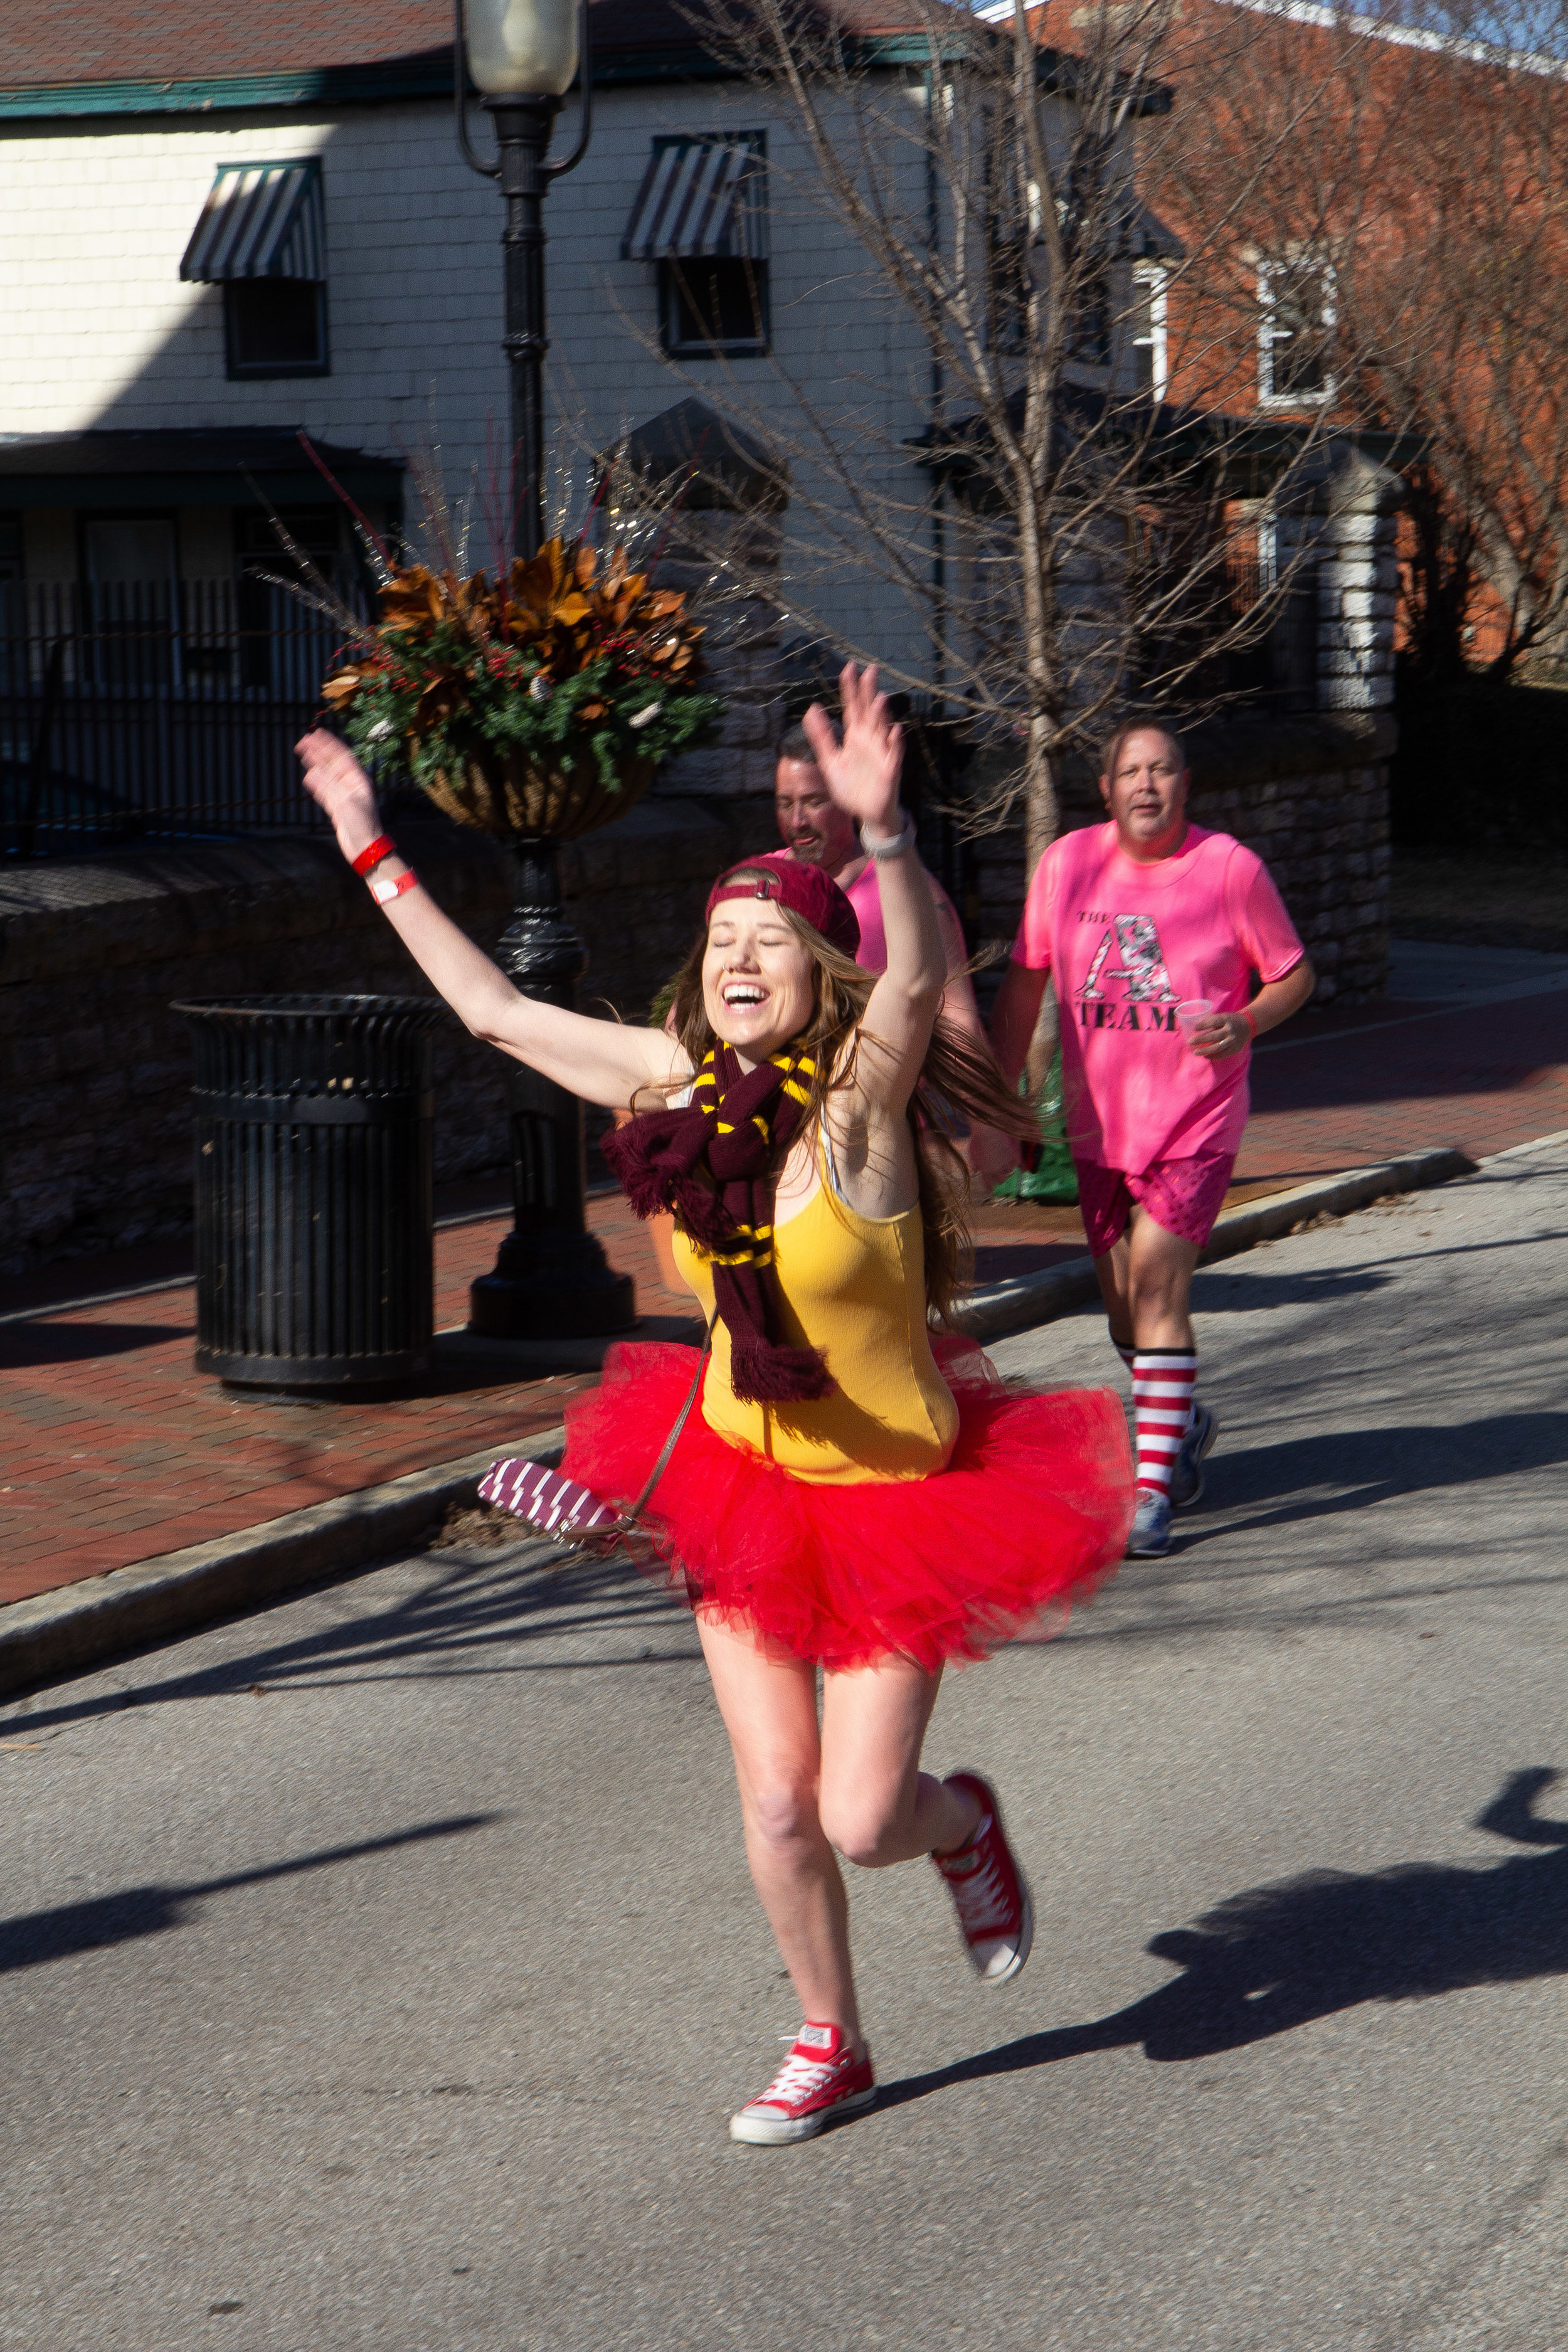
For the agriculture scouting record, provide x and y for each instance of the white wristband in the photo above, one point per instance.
(903, 839)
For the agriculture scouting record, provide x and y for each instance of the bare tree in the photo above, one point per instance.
(1426, 188)
(1058, 537)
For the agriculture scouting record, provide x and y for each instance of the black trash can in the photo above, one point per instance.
(314, 1197)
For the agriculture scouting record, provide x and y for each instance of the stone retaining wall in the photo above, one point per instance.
(95, 1069)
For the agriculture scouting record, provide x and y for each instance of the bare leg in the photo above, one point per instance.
(768, 1701)
(857, 1781)
(876, 1805)
(1146, 1282)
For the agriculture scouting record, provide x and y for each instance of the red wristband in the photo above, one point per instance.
(1251, 1018)
(384, 893)
(368, 859)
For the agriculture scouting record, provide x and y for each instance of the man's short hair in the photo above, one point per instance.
(1130, 727)
(795, 743)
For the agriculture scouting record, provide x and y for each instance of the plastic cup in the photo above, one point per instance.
(1191, 1014)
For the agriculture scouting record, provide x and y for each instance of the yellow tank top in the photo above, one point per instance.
(855, 1287)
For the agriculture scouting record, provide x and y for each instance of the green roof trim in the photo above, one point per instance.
(430, 75)
(427, 76)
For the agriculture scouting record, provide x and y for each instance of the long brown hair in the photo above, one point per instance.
(957, 1076)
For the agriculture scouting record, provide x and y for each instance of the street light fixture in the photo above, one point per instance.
(552, 1279)
(523, 55)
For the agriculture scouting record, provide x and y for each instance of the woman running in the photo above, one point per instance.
(843, 1501)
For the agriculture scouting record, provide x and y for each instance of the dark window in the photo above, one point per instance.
(1297, 332)
(1090, 329)
(714, 305)
(276, 326)
(1007, 288)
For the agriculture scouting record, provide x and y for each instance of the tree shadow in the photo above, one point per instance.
(105, 1920)
(1274, 1957)
(1229, 1288)
(475, 1606)
(1374, 1465)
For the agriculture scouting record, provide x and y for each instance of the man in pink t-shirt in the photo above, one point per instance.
(1139, 920)
(817, 833)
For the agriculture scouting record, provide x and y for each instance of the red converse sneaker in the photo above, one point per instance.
(990, 1894)
(820, 2083)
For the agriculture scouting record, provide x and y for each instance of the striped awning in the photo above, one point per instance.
(261, 220)
(701, 197)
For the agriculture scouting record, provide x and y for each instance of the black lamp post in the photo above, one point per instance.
(552, 1279)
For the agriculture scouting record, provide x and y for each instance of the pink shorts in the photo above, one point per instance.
(1186, 1196)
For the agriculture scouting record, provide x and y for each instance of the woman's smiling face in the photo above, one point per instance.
(759, 978)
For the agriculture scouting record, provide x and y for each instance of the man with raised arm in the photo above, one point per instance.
(1142, 918)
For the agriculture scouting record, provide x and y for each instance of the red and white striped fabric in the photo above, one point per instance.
(1163, 1383)
(555, 1505)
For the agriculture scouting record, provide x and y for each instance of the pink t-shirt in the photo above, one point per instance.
(865, 895)
(1129, 942)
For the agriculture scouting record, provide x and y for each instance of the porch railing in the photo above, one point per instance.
(148, 709)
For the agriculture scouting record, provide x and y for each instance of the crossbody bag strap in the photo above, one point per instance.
(682, 1418)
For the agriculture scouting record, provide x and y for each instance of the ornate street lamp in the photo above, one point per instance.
(523, 55)
(552, 1279)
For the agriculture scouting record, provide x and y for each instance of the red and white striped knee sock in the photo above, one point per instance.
(1163, 1383)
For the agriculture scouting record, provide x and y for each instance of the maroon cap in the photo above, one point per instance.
(805, 889)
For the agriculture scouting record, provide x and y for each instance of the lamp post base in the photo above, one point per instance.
(551, 1286)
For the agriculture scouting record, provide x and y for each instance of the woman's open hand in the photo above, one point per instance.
(339, 786)
(862, 772)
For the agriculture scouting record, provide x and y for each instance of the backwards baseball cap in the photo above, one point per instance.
(807, 890)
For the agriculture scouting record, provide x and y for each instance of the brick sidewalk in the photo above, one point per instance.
(112, 1450)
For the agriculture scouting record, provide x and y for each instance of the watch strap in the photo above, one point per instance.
(903, 840)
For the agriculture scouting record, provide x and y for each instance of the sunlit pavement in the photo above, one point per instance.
(380, 1970)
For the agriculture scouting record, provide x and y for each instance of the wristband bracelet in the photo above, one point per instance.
(384, 893)
(903, 839)
(381, 846)
(1251, 1018)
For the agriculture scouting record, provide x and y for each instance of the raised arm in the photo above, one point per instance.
(600, 1060)
(862, 774)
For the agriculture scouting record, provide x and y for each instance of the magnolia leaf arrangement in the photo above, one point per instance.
(537, 701)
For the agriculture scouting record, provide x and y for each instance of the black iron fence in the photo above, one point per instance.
(142, 709)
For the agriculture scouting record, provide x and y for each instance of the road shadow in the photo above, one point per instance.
(477, 1613)
(1273, 1482)
(106, 1919)
(1229, 1288)
(1274, 1957)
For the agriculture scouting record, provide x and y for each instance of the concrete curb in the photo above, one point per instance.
(1035, 1298)
(80, 1625)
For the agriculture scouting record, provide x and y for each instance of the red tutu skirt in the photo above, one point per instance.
(1033, 1509)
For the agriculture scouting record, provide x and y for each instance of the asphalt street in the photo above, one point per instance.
(380, 1971)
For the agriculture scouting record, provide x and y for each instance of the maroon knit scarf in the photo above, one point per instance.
(710, 1162)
